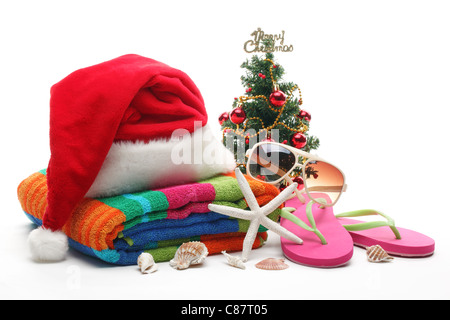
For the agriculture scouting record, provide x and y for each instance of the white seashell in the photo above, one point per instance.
(234, 261)
(377, 254)
(146, 263)
(272, 264)
(189, 253)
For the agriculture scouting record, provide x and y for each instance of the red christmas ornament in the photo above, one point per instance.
(298, 140)
(304, 115)
(277, 98)
(237, 116)
(223, 117)
(299, 181)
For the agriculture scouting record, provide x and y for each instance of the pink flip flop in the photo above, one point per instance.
(394, 240)
(326, 243)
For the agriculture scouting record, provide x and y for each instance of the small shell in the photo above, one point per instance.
(146, 263)
(377, 254)
(189, 253)
(272, 264)
(234, 261)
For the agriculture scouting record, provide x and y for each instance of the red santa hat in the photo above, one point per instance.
(100, 112)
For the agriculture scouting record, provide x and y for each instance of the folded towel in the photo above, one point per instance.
(117, 229)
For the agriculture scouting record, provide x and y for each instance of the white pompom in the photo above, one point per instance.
(47, 245)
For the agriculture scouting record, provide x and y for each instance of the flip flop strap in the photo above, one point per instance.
(369, 225)
(286, 213)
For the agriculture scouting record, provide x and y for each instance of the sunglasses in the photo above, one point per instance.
(273, 162)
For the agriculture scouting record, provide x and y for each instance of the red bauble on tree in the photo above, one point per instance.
(298, 140)
(277, 98)
(304, 115)
(223, 117)
(300, 182)
(237, 116)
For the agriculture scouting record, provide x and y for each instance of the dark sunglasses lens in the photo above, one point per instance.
(270, 162)
(323, 178)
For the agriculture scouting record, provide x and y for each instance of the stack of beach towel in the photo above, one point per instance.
(118, 229)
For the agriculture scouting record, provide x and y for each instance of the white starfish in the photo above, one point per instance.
(256, 214)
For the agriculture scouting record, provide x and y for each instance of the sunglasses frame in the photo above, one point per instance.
(297, 153)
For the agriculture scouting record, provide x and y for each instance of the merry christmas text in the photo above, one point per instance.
(256, 44)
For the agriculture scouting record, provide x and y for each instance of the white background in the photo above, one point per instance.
(374, 75)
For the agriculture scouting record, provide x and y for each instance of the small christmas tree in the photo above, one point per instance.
(270, 109)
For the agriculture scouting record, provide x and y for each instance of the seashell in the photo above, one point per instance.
(146, 263)
(272, 264)
(189, 253)
(234, 261)
(377, 254)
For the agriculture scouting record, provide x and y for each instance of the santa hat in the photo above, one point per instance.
(111, 129)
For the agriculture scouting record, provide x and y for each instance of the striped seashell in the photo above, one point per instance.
(377, 254)
(272, 264)
(187, 254)
(146, 263)
(234, 261)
